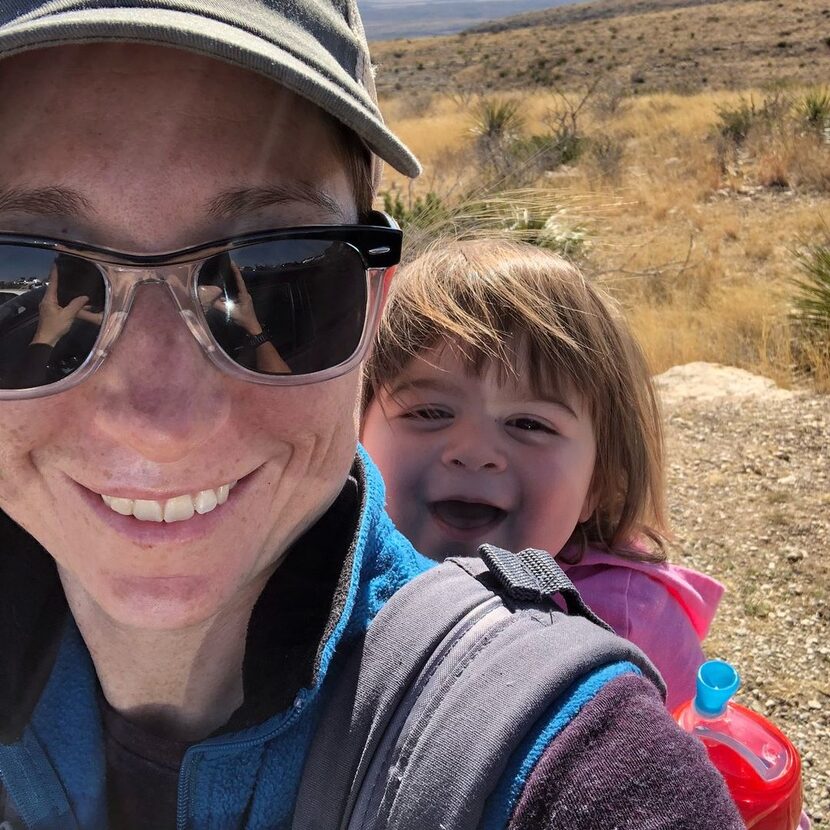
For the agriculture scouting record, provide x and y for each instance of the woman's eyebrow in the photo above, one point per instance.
(45, 201)
(231, 204)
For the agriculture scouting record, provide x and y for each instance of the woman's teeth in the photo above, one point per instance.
(177, 509)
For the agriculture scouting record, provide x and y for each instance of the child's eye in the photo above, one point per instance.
(526, 424)
(428, 413)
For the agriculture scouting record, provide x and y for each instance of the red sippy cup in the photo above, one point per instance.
(761, 767)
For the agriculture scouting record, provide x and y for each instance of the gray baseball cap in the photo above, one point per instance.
(316, 48)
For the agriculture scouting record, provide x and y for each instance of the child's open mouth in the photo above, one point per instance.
(467, 515)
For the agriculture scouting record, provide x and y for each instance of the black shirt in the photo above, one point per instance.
(291, 620)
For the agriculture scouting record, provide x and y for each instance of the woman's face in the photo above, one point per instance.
(134, 148)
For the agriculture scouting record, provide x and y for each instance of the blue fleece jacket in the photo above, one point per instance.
(55, 773)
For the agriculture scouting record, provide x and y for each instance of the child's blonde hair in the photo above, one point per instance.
(517, 307)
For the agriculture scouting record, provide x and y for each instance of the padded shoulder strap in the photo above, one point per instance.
(427, 712)
(369, 681)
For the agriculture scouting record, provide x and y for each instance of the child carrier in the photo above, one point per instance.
(453, 673)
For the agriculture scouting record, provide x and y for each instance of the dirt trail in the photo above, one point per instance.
(749, 495)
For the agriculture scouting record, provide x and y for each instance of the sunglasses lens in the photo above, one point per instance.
(287, 306)
(51, 309)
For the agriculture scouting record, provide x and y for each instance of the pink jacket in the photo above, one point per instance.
(664, 609)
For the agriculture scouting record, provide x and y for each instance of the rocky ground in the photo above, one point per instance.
(749, 494)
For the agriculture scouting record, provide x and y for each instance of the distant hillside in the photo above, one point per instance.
(638, 45)
(597, 10)
(386, 19)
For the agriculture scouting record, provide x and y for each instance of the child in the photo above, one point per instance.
(507, 402)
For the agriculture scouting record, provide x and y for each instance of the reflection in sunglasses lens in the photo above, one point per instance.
(286, 307)
(51, 310)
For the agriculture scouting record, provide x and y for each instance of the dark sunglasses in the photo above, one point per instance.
(283, 307)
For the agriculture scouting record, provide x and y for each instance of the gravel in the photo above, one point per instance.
(749, 497)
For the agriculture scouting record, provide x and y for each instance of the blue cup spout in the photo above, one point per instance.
(717, 681)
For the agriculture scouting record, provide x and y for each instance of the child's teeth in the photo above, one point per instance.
(177, 509)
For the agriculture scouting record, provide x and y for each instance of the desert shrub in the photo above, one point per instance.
(547, 151)
(564, 123)
(737, 121)
(795, 159)
(497, 124)
(779, 143)
(568, 145)
(811, 313)
(606, 153)
(610, 98)
(812, 291)
(813, 109)
(421, 213)
(509, 159)
(810, 164)
(557, 231)
(496, 119)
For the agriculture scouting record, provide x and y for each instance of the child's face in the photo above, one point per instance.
(469, 460)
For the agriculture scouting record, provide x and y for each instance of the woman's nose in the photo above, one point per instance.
(474, 449)
(157, 392)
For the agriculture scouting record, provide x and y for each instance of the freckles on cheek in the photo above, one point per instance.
(312, 427)
(26, 429)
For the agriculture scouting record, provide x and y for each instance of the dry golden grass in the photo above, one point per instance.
(800, 162)
(700, 256)
(737, 326)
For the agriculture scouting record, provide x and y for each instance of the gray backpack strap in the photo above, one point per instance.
(436, 748)
(370, 680)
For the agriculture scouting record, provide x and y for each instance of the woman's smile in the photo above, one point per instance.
(176, 509)
(172, 518)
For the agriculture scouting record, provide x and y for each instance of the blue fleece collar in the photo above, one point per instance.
(254, 772)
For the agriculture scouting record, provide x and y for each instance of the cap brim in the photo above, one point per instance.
(321, 81)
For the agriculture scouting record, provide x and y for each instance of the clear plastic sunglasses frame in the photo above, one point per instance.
(378, 245)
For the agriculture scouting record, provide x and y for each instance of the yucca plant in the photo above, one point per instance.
(497, 123)
(811, 316)
(497, 119)
(811, 299)
(813, 108)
